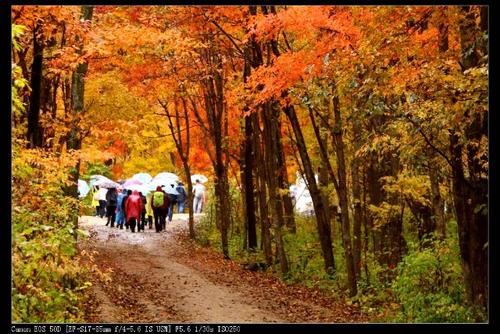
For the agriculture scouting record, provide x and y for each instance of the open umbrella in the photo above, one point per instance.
(170, 189)
(145, 178)
(107, 184)
(166, 175)
(102, 181)
(131, 182)
(199, 177)
(160, 182)
(83, 188)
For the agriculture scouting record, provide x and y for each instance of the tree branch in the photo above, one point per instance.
(228, 36)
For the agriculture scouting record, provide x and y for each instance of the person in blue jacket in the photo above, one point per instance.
(120, 214)
(181, 198)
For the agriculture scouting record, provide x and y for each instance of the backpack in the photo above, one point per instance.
(158, 199)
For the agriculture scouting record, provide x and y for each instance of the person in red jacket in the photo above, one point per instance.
(133, 208)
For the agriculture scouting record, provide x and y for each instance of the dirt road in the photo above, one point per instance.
(152, 282)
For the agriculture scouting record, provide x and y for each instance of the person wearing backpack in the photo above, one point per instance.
(111, 197)
(181, 198)
(159, 204)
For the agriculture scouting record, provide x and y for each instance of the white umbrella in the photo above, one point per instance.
(169, 189)
(130, 182)
(199, 177)
(107, 184)
(160, 182)
(83, 188)
(102, 181)
(166, 175)
(144, 178)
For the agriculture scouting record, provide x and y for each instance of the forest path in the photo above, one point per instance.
(163, 277)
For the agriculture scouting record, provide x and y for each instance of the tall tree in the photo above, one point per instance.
(470, 181)
(34, 134)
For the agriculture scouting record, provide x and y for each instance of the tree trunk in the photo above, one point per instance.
(187, 172)
(34, 134)
(283, 177)
(77, 100)
(322, 222)
(221, 182)
(356, 194)
(269, 120)
(344, 205)
(437, 214)
(241, 164)
(249, 184)
(471, 195)
(248, 165)
(261, 194)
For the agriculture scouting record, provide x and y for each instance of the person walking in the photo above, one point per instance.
(111, 197)
(120, 213)
(149, 209)
(143, 212)
(159, 205)
(133, 208)
(199, 196)
(95, 199)
(129, 192)
(102, 201)
(181, 198)
(172, 199)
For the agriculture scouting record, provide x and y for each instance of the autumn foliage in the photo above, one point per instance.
(382, 110)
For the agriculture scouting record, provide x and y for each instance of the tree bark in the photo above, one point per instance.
(261, 192)
(77, 107)
(437, 214)
(356, 194)
(248, 165)
(471, 194)
(343, 201)
(34, 134)
(249, 184)
(323, 225)
(283, 176)
(183, 148)
(269, 117)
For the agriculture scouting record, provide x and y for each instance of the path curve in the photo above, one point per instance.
(149, 285)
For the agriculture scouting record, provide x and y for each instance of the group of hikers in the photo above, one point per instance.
(133, 208)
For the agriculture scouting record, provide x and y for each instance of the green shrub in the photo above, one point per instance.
(429, 285)
(47, 280)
